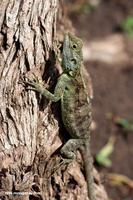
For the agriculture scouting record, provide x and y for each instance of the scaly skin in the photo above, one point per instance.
(75, 105)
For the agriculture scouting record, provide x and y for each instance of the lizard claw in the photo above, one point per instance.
(31, 84)
(59, 166)
(64, 162)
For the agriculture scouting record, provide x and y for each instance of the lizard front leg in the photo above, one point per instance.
(58, 92)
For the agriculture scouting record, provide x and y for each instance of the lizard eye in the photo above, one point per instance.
(74, 46)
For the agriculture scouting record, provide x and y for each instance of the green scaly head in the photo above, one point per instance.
(72, 54)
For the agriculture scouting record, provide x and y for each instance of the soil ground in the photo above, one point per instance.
(113, 90)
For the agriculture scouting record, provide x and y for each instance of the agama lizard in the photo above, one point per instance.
(75, 105)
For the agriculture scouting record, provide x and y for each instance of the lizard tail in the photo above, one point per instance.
(88, 164)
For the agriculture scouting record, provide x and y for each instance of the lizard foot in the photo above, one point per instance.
(65, 162)
(33, 84)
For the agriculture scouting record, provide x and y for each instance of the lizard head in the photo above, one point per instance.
(72, 54)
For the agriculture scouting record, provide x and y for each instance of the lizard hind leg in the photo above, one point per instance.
(68, 152)
(69, 149)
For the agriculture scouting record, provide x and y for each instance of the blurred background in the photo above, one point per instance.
(106, 28)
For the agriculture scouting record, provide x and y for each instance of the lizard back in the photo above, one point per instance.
(76, 107)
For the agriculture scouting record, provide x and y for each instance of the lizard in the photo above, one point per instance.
(76, 111)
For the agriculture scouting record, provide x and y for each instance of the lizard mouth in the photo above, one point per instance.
(66, 53)
(66, 45)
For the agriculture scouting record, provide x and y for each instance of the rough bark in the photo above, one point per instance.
(29, 131)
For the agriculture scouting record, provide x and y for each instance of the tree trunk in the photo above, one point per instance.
(29, 125)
